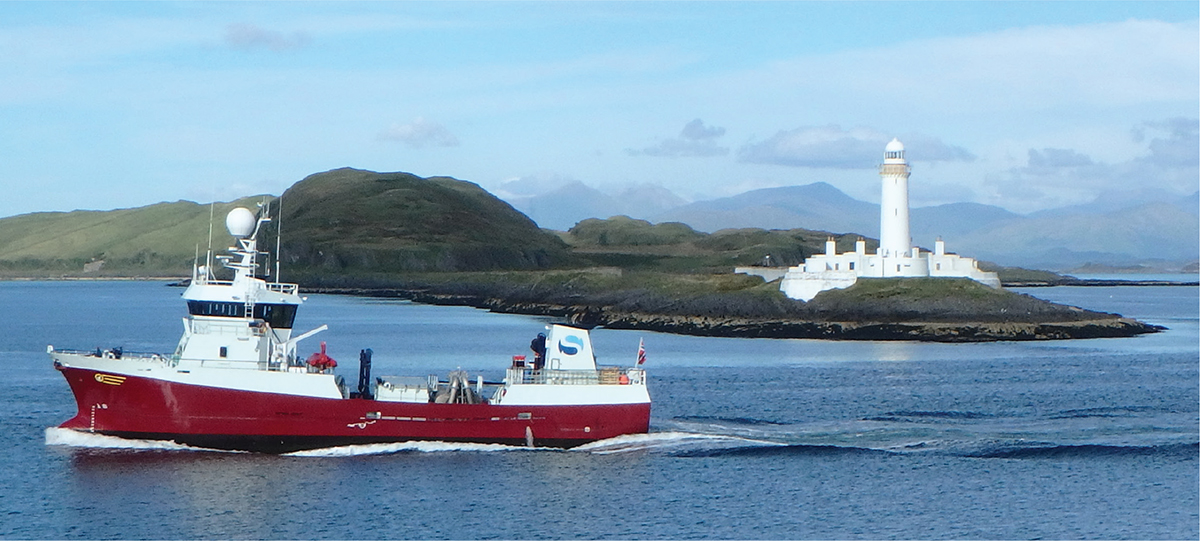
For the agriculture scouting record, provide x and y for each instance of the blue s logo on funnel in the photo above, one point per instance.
(570, 345)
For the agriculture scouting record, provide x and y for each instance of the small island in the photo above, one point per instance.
(445, 241)
(923, 309)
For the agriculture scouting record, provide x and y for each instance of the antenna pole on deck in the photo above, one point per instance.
(266, 206)
(208, 256)
(278, 234)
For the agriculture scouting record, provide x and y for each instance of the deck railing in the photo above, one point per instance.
(118, 353)
(278, 287)
(605, 375)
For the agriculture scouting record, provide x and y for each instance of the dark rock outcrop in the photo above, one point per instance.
(1103, 326)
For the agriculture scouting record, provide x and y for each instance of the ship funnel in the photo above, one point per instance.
(568, 348)
(240, 222)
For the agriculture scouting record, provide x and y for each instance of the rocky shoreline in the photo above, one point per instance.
(1102, 283)
(766, 327)
(916, 331)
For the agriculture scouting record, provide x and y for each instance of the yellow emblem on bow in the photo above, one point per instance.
(109, 379)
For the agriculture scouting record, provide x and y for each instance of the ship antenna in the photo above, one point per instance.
(265, 205)
(208, 255)
(278, 234)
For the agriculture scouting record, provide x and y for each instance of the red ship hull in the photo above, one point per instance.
(218, 418)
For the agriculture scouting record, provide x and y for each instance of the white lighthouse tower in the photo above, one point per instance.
(896, 257)
(895, 240)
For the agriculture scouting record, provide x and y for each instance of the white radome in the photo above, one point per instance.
(240, 222)
(894, 146)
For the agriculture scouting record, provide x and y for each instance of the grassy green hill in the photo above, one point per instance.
(354, 221)
(156, 240)
(674, 247)
(344, 221)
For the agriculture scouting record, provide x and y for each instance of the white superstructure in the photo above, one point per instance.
(237, 334)
(896, 256)
(245, 322)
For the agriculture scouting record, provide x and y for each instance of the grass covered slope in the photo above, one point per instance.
(155, 240)
(354, 221)
(633, 244)
(938, 300)
(345, 221)
(674, 247)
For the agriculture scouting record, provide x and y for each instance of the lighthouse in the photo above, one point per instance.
(896, 257)
(895, 239)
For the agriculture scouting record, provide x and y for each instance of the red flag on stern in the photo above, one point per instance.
(641, 352)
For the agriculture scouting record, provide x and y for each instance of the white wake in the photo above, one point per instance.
(74, 438)
(413, 446)
(652, 442)
(668, 441)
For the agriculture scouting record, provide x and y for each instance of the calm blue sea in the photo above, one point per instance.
(751, 439)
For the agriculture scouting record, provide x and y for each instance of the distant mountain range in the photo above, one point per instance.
(814, 206)
(563, 207)
(356, 221)
(1145, 233)
(1118, 229)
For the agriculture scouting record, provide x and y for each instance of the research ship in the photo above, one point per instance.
(237, 382)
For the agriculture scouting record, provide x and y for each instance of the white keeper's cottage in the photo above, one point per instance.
(896, 256)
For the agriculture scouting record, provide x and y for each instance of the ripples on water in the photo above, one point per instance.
(750, 439)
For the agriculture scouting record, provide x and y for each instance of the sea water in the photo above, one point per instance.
(750, 438)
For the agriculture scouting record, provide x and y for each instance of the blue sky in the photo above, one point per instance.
(1025, 105)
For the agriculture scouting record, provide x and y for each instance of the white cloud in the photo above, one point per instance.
(1055, 177)
(1175, 142)
(818, 146)
(250, 37)
(697, 131)
(832, 147)
(420, 133)
(532, 185)
(695, 140)
(926, 148)
(1016, 70)
(1052, 158)
(1032, 104)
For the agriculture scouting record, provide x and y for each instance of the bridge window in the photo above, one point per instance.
(278, 316)
(218, 309)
